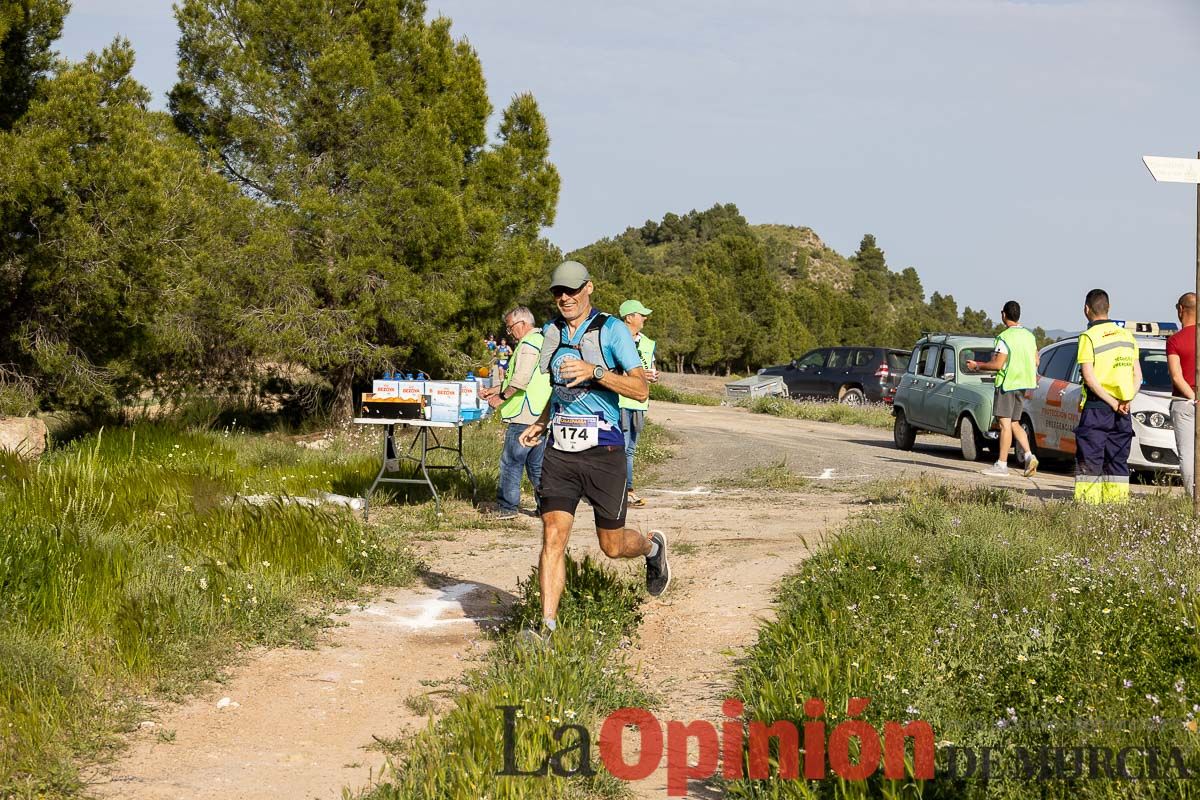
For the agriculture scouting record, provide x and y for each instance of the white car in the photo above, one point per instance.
(1053, 412)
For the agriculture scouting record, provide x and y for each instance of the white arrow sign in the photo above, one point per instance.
(1173, 170)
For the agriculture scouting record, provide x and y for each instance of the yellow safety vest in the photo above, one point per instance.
(645, 346)
(1112, 351)
(537, 393)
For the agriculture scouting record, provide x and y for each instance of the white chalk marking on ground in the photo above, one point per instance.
(355, 503)
(691, 491)
(426, 614)
(827, 475)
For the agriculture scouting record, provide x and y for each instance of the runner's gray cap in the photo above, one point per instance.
(570, 274)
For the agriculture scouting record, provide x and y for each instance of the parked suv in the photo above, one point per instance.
(937, 393)
(850, 375)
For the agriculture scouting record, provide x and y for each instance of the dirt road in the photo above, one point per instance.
(721, 442)
(304, 720)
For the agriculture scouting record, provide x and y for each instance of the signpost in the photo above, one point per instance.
(1185, 170)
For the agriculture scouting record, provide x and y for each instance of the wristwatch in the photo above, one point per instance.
(599, 372)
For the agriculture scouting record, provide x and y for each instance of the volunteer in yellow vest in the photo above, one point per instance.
(1112, 375)
(520, 398)
(633, 412)
(1014, 360)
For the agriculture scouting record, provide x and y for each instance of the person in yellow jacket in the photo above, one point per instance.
(520, 399)
(633, 412)
(1112, 375)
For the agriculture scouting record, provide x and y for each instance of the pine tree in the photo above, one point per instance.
(27, 29)
(105, 211)
(364, 125)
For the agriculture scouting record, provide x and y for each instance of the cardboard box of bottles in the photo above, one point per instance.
(375, 407)
(404, 390)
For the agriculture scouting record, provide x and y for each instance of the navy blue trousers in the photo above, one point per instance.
(1102, 442)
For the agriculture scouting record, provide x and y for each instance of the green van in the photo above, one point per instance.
(938, 394)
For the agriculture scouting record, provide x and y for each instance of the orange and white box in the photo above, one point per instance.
(410, 390)
(385, 390)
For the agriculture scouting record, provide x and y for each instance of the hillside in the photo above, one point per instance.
(730, 295)
(809, 258)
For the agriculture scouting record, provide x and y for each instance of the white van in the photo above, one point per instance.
(1053, 412)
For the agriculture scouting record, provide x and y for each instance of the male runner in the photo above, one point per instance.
(592, 361)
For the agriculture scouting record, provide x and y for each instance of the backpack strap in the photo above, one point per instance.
(553, 336)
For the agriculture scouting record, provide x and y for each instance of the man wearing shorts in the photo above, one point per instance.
(1015, 363)
(592, 361)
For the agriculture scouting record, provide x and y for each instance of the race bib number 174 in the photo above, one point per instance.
(575, 433)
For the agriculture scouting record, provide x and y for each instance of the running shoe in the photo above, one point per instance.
(505, 515)
(1030, 466)
(997, 471)
(535, 637)
(658, 572)
(633, 501)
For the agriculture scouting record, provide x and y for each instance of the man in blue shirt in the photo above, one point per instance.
(592, 361)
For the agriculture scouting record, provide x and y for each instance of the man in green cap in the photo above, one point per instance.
(633, 412)
(592, 362)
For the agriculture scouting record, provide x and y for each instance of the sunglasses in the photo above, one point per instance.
(559, 291)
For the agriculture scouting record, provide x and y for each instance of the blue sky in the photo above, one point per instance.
(993, 145)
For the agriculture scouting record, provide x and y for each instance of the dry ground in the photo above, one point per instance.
(306, 720)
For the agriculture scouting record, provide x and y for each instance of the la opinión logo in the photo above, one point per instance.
(743, 750)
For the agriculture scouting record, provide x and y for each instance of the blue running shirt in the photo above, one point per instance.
(620, 352)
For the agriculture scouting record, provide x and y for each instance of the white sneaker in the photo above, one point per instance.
(997, 470)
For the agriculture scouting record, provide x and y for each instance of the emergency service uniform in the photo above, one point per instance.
(1103, 436)
(518, 412)
(633, 412)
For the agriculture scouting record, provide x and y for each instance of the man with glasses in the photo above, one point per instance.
(520, 398)
(592, 361)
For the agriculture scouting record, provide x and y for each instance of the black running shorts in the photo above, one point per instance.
(597, 475)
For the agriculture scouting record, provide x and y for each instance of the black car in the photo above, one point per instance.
(850, 375)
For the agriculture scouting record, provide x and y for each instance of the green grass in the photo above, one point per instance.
(871, 416)
(127, 570)
(653, 445)
(777, 476)
(669, 395)
(998, 624)
(578, 679)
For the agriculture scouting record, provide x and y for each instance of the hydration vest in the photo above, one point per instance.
(589, 349)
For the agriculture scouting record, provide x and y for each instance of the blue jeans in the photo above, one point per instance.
(632, 421)
(513, 459)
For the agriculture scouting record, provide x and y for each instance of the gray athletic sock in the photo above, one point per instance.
(550, 623)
